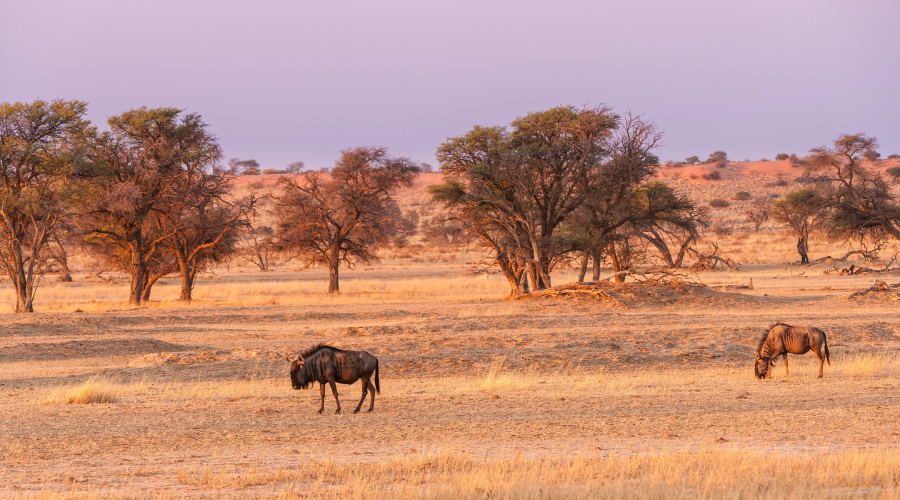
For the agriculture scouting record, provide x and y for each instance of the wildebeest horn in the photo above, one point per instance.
(301, 358)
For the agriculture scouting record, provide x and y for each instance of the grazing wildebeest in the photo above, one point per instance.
(326, 364)
(782, 339)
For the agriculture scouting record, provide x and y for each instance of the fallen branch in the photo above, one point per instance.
(708, 262)
(880, 287)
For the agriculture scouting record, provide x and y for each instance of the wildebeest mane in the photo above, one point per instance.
(318, 347)
(765, 336)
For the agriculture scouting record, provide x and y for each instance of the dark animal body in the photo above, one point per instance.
(782, 339)
(329, 365)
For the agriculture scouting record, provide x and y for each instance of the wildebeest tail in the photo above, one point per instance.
(378, 382)
(827, 354)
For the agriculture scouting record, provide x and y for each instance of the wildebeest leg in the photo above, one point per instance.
(334, 391)
(785, 365)
(322, 391)
(372, 390)
(365, 387)
(821, 362)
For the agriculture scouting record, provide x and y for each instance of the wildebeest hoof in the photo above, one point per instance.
(337, 412)
(356, 411)
(320, 412)
(369, 410)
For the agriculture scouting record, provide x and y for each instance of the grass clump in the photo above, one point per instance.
(719, 203)
(93, 390)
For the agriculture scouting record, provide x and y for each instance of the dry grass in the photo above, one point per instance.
(697, 474)
(93, 390)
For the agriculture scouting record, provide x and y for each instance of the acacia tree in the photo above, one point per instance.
(803, 211)
(860, 197)
(40, 151)
(141, 164)
(338, 217)
(203, 226)
(515, 189)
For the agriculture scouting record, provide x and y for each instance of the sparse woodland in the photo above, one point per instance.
(565, 188)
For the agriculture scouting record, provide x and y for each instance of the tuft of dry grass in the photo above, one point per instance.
(868, 365)
(93, 390)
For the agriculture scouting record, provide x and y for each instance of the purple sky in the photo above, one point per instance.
(281, 81)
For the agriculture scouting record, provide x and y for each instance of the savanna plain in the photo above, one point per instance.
(481, 397)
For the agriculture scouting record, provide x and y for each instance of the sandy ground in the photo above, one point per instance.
(206, 386)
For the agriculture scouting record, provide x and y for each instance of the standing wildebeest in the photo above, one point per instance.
(783, 339)
(326, 364)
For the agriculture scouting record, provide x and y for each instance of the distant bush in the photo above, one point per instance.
(692, 160)
(763, 159)
(270, 171)
(782, 156)
(678, 165)
(780, 182)
(742, 196)
(719, 203)
(721, 230)
(894, 172)
(795, 165)
(893, 157)
(717, 157)
(712, 176)
(794, 158)
(250, 171)
(872, 155)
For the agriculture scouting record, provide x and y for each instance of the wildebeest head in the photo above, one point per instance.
(299, 378)
(762, 366)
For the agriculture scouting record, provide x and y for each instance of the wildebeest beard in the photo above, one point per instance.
(302, 377)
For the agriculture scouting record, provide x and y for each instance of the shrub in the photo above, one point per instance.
(742, 196)
(721, 230)
(712, 176)
(780, 182)
(794, 158)
(763, 159)
(795, 165)
(894, 172)
(782, 156)
(717, 156)
(893, 157)
(250, 171)
(270, 171)
(692, 160)
(872, 155)
(719, 203)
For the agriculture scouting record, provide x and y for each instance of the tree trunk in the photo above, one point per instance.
(23, 290)
(333, 268)
(662, 247)
(615, 262)
(584, 265)
(63, 259)
(138, 267)
(682, 251)
(596, 258)
(187, 284)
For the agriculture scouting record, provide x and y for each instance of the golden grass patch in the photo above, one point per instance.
(92, 390)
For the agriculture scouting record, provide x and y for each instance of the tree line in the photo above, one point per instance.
(150, 196)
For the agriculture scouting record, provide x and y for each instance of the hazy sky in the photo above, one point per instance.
(281, 81)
